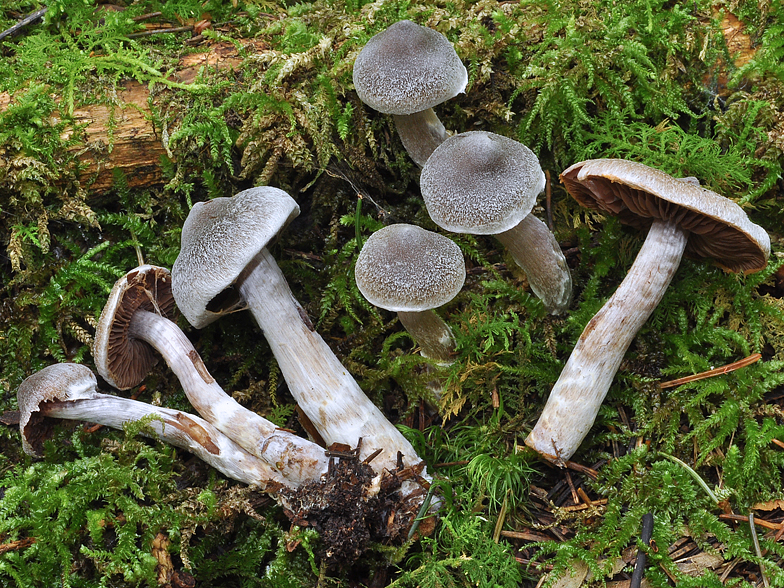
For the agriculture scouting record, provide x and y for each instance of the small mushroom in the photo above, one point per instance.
(680, 217)
(224, 264)
(486, 184)
(409, 270)
(134, 325)
(69, 391)
(405, 71)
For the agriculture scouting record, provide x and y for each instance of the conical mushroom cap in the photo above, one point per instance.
(219, 240)
(405, 268)
(637, 194)
(124, 361)
(408, 68)
(480, 183)
(59, 382)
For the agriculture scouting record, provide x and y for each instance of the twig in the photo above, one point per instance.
(746, 361)
(757, 549)
(645, 537)
(159, 31)
(499, 524)
(758, 522)
(14, 545)
(525, 536)
(582, 469)
(693, 474)
(23, 23)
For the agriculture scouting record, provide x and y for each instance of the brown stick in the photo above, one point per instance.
(746, 361)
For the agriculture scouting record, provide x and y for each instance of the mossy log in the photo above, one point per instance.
(125, 136)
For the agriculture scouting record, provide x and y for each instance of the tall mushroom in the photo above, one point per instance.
(69, 391)
(680, 217)
(135, 324)
(486, 184)
(224, 265)
(411, 271)
(405, 71)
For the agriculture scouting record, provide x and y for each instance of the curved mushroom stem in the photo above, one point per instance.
(321, 385)
(297, 459)
(420, 133)
(577, 395)
(534, 248)
(177, 428)
(432, 334)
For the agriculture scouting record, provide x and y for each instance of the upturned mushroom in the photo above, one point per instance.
(411, 271)
(135, 324)
(224, 265)
(486, 184)
(405, 71)
(680, 217)
(69, 391)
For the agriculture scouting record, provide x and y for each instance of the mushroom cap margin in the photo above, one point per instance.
(408, 68)
(121, 360)
(219, 240)
(58, 382)
(405, 268)
(638, 194)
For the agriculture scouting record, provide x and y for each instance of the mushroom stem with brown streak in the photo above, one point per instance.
(405, 71)
(134, 323)
(683, 217)
(69, 391)
(224, 265)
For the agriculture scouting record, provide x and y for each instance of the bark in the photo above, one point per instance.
(136, 147)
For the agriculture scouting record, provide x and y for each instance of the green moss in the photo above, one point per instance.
(646, 80)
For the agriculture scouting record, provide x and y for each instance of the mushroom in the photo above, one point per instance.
(69, 391)
(224, 265)
(135, 324)
(405, 71)
(486, 184)
(681, 217)
(409, 270)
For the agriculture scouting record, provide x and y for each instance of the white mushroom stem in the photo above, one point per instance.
(177, 428)
(420, 133)
(577, 395)
(431, 333)
(325, 391)
(297, 459)
(535, 249)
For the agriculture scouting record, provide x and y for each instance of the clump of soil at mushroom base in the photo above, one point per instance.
(350, 512)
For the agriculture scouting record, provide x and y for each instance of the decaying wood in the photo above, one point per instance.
(136, 145)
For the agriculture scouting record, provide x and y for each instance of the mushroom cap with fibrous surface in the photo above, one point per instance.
(219, 240)
(405, 268)
(408, 68)
(637, 194)
(121, 359)
(481, 183)
(59, 382)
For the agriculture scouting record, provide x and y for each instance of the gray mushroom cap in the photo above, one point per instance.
(408, 68)
(638, 194)
(405, 268)
(55, 383)
(480, 183)
(121, 359)
(219, 240)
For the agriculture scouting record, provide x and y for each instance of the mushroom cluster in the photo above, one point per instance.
(223, 266)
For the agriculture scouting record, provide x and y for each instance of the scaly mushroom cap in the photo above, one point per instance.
(219, 239)
(122, 360)
(404, 268)
(55, 383)
(480, 183)
(638, 194)
(408, 68)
